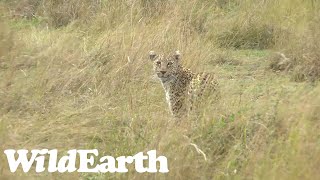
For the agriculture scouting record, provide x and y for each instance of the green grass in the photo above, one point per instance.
(24, 23)
(86, 82)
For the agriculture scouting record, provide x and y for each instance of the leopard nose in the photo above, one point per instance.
(163, 72)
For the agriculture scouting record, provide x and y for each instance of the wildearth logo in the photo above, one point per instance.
(86, 161)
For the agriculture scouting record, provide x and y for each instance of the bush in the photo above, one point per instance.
(303, 50)
(56, 12)
(251, 36)
(61, 13)
(24, 9)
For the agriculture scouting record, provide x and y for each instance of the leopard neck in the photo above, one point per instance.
(180, 80)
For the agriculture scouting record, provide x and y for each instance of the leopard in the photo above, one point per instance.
(182, 87)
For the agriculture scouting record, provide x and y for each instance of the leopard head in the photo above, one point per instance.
(165, 66)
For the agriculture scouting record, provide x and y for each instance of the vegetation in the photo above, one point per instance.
(76, 74)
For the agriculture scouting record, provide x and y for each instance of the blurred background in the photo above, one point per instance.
(76, 74)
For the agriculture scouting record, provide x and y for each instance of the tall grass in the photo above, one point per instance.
(76, 75)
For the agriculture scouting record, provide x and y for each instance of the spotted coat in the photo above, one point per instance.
(182, 87)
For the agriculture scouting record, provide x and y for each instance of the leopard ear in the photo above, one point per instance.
(152, 55)
(177, 55)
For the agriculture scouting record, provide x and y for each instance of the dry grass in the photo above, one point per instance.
(76, 75)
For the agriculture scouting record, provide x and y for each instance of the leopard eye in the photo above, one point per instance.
(170, 63)
(158, 63)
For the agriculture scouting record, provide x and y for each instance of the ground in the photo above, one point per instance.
(89, 84)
